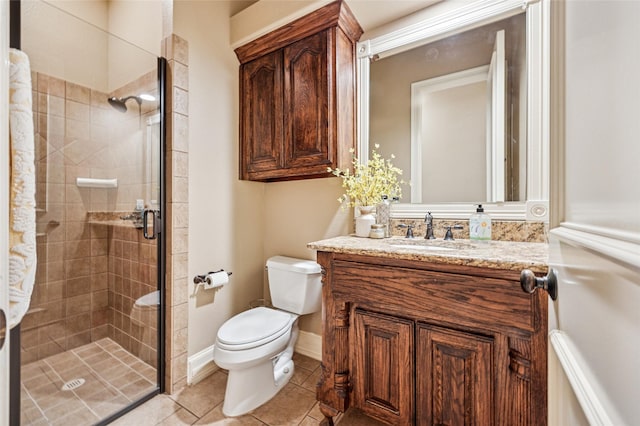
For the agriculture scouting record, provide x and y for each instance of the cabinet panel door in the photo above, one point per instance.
(383, 370)
(261, 129)
(306, 97)
(453, 378)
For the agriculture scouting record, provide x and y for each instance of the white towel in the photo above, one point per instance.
(22, 207)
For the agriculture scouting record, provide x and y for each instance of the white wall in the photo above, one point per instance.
(97, 60)
(297, 213)
(50, 33)
(237, 224)
(137, 22)
(226, 215)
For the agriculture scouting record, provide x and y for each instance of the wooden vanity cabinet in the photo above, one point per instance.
(415, 343)
(297, 97)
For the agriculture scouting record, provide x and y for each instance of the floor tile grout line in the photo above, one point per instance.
(110, 348)
(34, 401)
(72, 390)
(106, 382)
(119, 360)
(183, 407)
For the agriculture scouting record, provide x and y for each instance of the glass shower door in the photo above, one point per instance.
(90, 342)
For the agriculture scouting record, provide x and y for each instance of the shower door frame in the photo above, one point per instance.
(15, 29)
(160, 223)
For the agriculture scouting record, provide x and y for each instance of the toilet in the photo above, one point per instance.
(256, 346)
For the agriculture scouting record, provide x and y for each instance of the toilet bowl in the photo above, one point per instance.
(256, 346)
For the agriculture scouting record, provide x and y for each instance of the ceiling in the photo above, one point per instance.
(374, 13)
(369, 13)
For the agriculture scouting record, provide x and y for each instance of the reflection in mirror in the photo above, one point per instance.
(453, 112)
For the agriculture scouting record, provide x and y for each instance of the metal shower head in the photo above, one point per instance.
(120, 103)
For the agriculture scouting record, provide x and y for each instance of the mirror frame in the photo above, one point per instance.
(448, 22)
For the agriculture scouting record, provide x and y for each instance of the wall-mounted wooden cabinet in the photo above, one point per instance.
(297, 97)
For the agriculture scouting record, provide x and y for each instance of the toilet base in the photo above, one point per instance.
(241, 396)
(250, 387)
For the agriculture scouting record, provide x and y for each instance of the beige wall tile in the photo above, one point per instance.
(77, 111)
(77, 268)
(180, 241)
(79, 304)
(178, 49)
(78, 93)
(51, 85)
(180, 101)
(179, 132)
(179, 164)
(180, 75)
(179, 189)
(51, 105)
(180, 215)
(180, 317)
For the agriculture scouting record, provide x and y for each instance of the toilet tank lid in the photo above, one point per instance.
(293, 264)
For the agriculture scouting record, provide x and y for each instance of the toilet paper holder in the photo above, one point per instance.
(200, 279)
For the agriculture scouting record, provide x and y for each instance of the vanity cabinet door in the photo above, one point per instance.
(453, 377)
(383, 367)
(261, 129)
(306, 97)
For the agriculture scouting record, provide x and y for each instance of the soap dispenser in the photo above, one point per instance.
(480, 225)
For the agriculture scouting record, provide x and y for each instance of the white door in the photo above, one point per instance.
(496, 114)
(594, 359)
(4, 214)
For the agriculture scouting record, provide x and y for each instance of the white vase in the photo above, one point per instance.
(364, 221)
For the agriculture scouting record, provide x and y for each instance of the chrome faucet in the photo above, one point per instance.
(429, 221)
(409, 229)
(449, 235)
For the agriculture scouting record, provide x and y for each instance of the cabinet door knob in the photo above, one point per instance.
(530, 282)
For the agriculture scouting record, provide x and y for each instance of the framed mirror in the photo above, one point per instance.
(458, 97)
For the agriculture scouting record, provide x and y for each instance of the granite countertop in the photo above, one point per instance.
(504, 255)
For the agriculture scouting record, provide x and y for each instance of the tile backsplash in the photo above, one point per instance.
(522, 231)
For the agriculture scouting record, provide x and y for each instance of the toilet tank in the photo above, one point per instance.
(295, 284)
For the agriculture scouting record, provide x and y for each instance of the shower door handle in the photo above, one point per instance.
(155, 224)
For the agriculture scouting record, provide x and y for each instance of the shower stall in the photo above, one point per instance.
(91, 344)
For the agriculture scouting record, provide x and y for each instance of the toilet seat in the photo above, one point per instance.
(253, 328)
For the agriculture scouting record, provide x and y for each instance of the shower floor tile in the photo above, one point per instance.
(113, 378)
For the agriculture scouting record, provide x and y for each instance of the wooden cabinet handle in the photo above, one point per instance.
(530, 282)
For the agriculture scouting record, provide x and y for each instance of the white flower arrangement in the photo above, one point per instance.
(368, 182)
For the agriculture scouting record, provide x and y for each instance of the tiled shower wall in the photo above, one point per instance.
(133, 273)
(78, 134)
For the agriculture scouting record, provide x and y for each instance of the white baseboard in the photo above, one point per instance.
(309, 344)
(200, 365)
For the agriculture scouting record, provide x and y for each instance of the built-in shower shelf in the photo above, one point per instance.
(96, 183)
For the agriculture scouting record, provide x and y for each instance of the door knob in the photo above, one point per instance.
(3, 327)
(530, 282)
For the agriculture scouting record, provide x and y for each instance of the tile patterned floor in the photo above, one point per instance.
(113, 378)
(201, 404)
